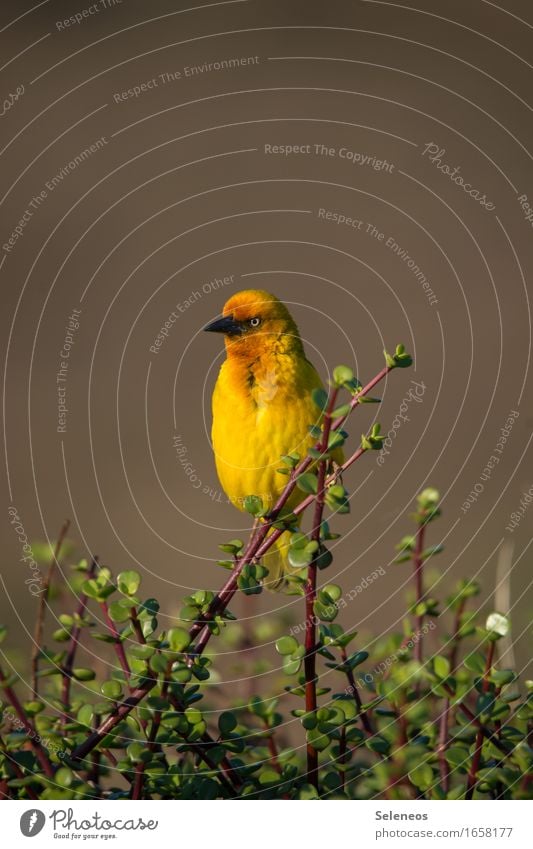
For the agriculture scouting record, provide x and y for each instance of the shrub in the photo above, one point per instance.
(430, 715)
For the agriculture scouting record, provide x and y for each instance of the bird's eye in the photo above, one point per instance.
(254, 322)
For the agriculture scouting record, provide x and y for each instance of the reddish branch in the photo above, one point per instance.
(310, 591)
(43, 601)
(121, 711)
(118, 646)
(418, 563)
(444, 767)
(28, 726)
(74, 642)
(365, 720)
(474, 766)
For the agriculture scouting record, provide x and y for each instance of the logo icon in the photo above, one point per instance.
(32, 822)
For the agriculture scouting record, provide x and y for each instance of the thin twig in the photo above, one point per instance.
(74, 642)
(310, 592)
(28, 726)
(121, 710)
(363, 715)
(476, 759)
(41, 612)
(418, 564)
(444, 766)
(342, 756)
(118, 646)
(137, 627)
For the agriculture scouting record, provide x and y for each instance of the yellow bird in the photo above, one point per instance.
(262, 406)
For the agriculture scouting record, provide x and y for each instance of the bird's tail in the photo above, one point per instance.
(276, 560)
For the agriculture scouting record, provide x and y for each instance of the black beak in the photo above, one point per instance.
(225, 325)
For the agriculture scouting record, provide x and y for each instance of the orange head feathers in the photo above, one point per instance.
(255, 322)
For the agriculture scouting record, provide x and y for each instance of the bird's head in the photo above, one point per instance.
(254, 322)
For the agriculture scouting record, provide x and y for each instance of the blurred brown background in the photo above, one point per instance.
(180, 193)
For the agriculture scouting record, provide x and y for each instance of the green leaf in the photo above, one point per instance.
(336, 439)
(268, 776)
(317, 740)
(193, 716)
(137, 752)
(142, 651)
(291, 665)
(501, 677)
(232, 547)
(324, 558)
(475, 662)
(333, 591)
(227, 722)
(254, 505)
(64, 776)
(320, 397)
(325, 612)
(422, 776)
(341, 411)
(307, 482)
(112, 690)
(374, 440)
(178, 639)
(400, 359)
(309, 721)
(85, 715)
(357, 658)
(457, 757)
(299, 557)
(128, 582)
(118, 612)
(293, 459)
(342, 375)
(286, 645)
(441, 665)
(378, 744)
(307, 791)
(431, 551)
(82, 674)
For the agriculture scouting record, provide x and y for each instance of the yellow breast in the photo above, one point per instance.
(261, 411)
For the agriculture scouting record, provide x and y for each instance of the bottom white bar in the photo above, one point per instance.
(253, 824)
